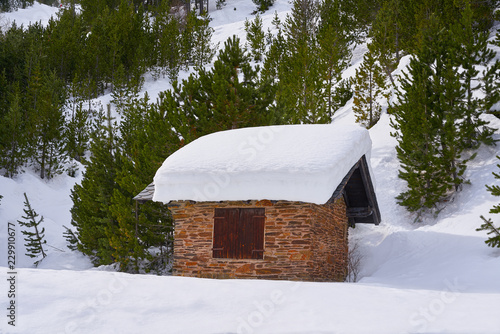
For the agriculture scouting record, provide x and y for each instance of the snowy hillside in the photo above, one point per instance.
(434, 277)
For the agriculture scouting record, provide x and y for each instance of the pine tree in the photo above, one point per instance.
(12, 5)
(491, 88)
(427, 121)
(93, 68)
(4, 88)
(415, 131)
(197, 48)
(369, 86)
(396, 26)
(168, 42)
(274, 55)
(392, 32)
(124, 90)
(473, 52)
(48, 145)
(300, 86)
(13, 54)
(92, 8)
(228, 96)
(64, 36)
(34, 239)
(108, 228)
(140, 156)
(31, 101)
(335, 36)
(77, 127)
(127, 248)
(4, 6)
(488, 225)
(484, 13)
(92, 198)
(13, 143)
(154, 222)
(255, 38)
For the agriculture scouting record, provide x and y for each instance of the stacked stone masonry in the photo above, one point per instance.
(302, 241)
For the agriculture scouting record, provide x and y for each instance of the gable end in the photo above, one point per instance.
(359, 195)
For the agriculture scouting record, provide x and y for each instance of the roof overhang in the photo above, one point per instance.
(359, 195)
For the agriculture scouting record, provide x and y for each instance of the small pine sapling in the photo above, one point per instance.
(34, 240)
(494, 240)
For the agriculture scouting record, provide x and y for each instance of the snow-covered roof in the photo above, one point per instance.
(287, 162)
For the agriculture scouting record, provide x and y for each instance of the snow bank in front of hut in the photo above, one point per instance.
(288, 162)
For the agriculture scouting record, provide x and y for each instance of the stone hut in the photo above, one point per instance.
(267, 202)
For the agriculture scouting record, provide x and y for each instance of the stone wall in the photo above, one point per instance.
(330, 245)
(302, 241)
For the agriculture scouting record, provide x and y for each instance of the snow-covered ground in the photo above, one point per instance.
(434, 277)
(38, 13)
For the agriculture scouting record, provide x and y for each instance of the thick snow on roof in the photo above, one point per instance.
(288, 162)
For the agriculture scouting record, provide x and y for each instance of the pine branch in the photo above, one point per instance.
(71, 238)
(490, 227)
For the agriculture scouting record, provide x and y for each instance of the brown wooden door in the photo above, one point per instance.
(239, 233)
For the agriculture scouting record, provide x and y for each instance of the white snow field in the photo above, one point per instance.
(433, 277)
(38, 13)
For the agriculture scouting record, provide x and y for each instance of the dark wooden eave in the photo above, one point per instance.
(146, 194)
(359, 195)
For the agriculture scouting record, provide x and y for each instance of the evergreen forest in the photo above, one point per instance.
(51, 76)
